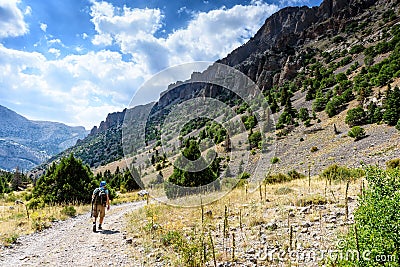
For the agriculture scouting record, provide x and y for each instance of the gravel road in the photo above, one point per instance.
(72, 243)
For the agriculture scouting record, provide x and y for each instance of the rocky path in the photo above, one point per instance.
(72, 243)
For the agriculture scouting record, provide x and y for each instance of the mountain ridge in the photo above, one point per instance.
(25, 143)
(284, 48)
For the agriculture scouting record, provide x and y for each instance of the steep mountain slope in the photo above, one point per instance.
(25, 143)
(340, 55)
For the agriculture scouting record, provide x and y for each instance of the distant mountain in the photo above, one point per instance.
(25, 143)
(104, 143)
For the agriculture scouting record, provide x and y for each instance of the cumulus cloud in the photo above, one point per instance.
(43, 26)
(12, 22)
(112, 22)
(67, 88)
(208, 36)
(55, 52)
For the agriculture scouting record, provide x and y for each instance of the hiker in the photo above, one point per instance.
(100, 200)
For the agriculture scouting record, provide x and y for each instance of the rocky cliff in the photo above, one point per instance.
(113, 120)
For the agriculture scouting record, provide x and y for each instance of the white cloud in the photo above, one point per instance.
(209, 36)
(114, 23)
(12, 22)
(67, 89)
(28, 11)
(55, 52)
(43, 26)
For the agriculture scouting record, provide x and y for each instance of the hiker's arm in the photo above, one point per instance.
(108, 202)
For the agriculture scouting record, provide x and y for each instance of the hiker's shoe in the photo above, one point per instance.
(100, 228)
(94, 228)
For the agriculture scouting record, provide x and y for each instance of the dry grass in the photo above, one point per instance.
(247, 215)
(14, 219)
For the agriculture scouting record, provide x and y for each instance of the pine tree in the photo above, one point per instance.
(392, 112)
(69, 181)
(184, 176)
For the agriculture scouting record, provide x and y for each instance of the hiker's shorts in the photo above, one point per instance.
(99, 209)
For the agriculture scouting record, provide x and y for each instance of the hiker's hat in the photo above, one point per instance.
(102, 183)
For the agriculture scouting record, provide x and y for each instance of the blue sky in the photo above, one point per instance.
(75, 61)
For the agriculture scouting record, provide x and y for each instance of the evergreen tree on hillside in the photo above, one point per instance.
(193, 181)
(68, 181)
(392, 107)
(17, 180)
(132, 179)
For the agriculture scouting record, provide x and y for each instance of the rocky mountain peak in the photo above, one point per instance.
(112, 120)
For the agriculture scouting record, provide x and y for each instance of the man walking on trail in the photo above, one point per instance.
(100, 200)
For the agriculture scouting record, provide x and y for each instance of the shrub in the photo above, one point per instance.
(377, 221)
(303, 114)
(333, 106)
(276, 178)
(275, 160)
(355, 116)
(68, 181)
(283, 191)
(357, 133)
(171, 238)
(254, 139)
(393, 163)
(293, 174)
(341, 173)
(69, 211)
(319, 104)
(314, 149)
(311, 200)
(356, 49)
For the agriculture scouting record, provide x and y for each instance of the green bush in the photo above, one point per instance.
(293, 174)
(254, 139)
(393, 163)
(357, 133)
(356, 49)
(281, 178)
(275, 160)
(333, 106)
(377, 222)
(304, 114)
(276, 178)
(355, 116)
(172, 238)
(183, 181)
(69, 211)
(341, 173)
(311, 200)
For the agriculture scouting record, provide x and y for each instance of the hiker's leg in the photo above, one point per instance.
(102, 214)
(96, 212)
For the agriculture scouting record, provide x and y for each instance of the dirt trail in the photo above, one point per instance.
(72, 243)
